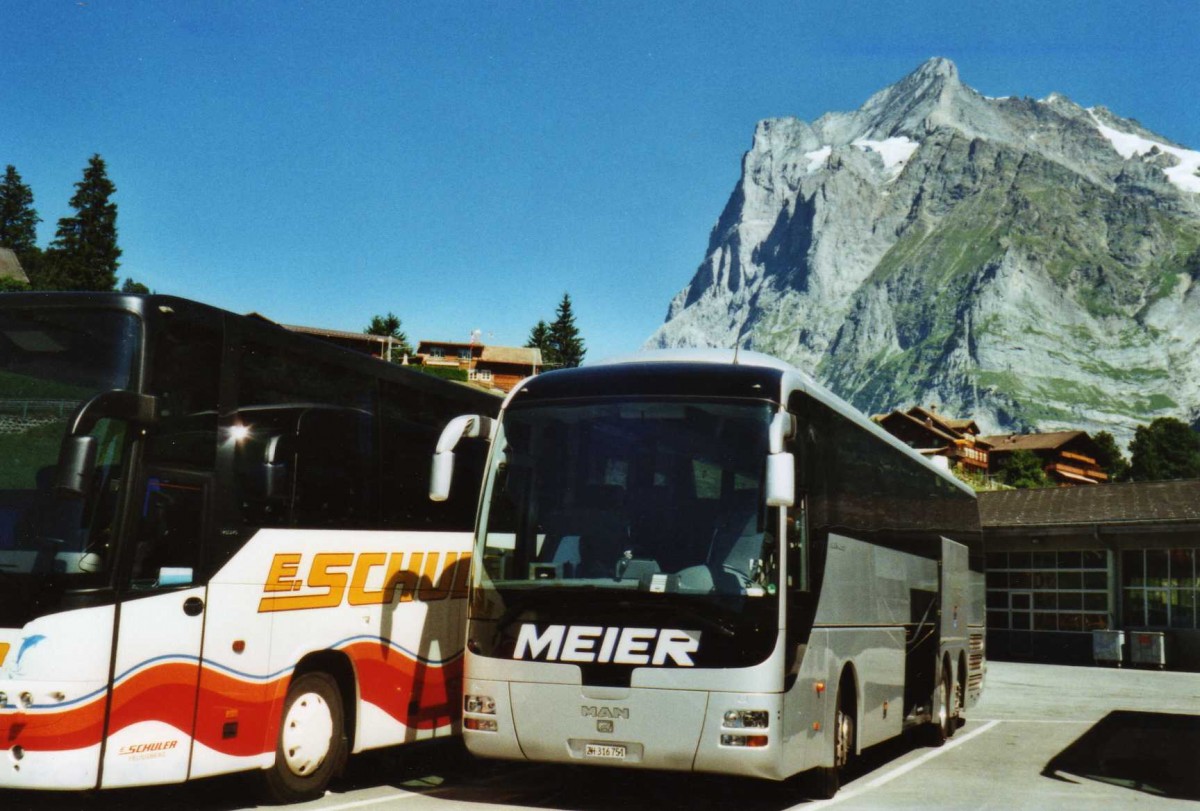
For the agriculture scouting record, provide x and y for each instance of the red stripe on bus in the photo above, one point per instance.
(415, 694)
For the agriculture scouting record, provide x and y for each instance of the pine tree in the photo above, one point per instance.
(539, 338)
(564, 336)
(84, 253)
(388, 326)
(18, 219)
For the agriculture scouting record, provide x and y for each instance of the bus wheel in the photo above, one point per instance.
(829, 778)
(311, 744)
(943, 711)
(960, 697)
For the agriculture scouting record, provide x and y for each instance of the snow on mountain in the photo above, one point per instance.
(1185, 173)
(895, 151)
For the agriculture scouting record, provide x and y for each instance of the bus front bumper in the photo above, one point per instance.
(676, 730)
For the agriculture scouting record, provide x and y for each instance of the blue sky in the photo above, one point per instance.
(463, 164)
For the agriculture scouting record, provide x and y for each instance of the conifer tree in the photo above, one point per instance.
(18, 219)
(388, 326)
(539, 338)
(84, 253)
(564, 336)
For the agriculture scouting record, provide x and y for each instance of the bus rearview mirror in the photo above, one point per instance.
(468, 426)
(440, 476)
(781, 480)
(783, 428)
(77, 454)
(76, 465)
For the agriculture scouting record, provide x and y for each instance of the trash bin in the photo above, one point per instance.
(1148, 648)
(1107, 647)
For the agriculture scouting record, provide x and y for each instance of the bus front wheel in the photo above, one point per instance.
(828, 779)
(311, 744)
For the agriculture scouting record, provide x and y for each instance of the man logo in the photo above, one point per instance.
(621, 646)
(605, 712)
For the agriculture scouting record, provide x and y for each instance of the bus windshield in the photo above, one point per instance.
(661, 497)
(51, 361)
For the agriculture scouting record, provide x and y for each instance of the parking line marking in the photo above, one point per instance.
(408, 795)
(1042, 721)
(858, 791)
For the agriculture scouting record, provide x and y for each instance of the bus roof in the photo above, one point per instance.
(741, 373)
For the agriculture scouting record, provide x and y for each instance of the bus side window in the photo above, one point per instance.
(305, 454)
(798, 546)
(169, 543)
(333, 475)
(166, 551)
(798, 519)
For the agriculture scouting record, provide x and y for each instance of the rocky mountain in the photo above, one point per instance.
(1031, 264)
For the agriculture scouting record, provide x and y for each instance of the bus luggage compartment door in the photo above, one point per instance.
(956, 591)
(656, 729)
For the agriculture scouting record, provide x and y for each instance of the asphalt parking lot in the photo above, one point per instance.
(1043, 737)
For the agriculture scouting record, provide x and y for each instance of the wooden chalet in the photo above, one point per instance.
(1068, 457)
(499, 367)
(932, 434)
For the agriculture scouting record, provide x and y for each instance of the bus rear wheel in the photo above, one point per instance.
(311, 744)
(943, 721)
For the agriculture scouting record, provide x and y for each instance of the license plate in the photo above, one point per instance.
(604, 750)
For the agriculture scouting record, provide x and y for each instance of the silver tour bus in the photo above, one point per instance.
(696, 561)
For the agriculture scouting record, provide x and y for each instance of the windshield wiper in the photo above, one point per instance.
(685, 613)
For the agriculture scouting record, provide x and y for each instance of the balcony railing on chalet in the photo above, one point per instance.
(969, 455)
(1086, 472)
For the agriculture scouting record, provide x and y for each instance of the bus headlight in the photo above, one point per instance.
(746, 719)
(483, 705)
(481, 724)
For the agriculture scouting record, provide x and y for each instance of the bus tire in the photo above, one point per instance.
(828, 779)
(960, 695)
(311, 745)
(951, 696)
(942, 724)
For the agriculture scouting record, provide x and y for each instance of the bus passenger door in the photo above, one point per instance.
(160, 625)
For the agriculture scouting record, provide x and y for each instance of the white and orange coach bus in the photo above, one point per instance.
(216, 549)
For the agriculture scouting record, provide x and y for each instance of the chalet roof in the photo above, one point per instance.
(519, 355)
(934, 427)
(337, 333)
(1004, 443)
(1125, 503)
(522, 355)
(455, 344)
(10, 266)
(949, 430)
